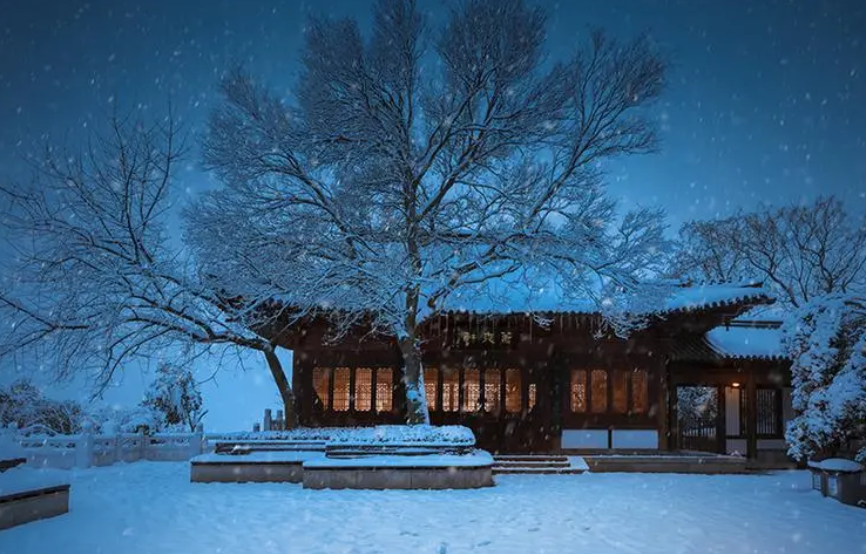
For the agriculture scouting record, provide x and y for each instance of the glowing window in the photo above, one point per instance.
(578, 390)
(431, 385)
(450, 391)
(321, 384)
(639, 393)
(598, 379)
(619, 384)
(532, 388)
(492, 390)
(363, 389)
(384, 389)
(471, 390)
(341, 389)
(513, 399)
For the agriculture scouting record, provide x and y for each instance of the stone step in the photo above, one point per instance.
(529, 458)
(536, 471)
(532, 464)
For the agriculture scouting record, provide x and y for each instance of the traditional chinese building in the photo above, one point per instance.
(560, 380)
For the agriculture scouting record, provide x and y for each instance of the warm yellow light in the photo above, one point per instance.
(735, 385)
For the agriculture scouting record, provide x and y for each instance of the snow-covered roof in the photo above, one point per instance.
(506, 297)
(746, 342)
(688, 298)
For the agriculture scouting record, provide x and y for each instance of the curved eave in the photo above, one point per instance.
(745, 301)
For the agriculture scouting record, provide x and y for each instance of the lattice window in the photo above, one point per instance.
(431, 386)
(532, 397)
(619, 392)
(384, 389)
(450, 391)
(471, 390)
(513, 392)
(639, 392)
(321, 385)
(578, 391)
(598, 382)
(492, 390)
(769, 416)
(363, 389)
(342, 376)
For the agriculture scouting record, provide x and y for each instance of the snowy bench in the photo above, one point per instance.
(28, 495)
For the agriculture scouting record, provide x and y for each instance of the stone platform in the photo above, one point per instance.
(708, 464)
(25, 506)
(426, 471)
(255, 467)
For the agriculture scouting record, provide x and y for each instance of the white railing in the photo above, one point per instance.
(87, 449)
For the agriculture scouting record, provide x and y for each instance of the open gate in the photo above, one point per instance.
(699, 423)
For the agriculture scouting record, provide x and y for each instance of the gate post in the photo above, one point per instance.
(84, 447)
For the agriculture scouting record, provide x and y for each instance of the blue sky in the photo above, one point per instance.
(766, 101)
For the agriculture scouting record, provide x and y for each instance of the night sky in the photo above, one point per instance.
(766, 102)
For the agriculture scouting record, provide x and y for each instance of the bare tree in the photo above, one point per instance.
(95, 281)
(803, 251)
(421, 164)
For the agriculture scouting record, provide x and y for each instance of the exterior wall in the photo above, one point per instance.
(545, 356)
(545, 370)
(585, 439)
(635, 439)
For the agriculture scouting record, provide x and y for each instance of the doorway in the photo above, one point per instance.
(699, 422)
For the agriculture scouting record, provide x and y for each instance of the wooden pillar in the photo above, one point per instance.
(667, 399)
(721, 417)
(751, 416)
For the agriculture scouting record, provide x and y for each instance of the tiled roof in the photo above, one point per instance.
(738, 342)
(702, 297)
(681, 299)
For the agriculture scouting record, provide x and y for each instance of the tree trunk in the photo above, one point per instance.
(416, 401)
(283, 386)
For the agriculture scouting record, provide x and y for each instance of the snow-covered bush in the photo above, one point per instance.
(116, 419)
(175, 399)
(826, 340)
(22, 404)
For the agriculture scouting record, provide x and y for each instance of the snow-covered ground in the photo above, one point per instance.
(152, 507)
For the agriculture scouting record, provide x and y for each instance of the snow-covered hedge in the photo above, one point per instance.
(451, 435)
(826, 340)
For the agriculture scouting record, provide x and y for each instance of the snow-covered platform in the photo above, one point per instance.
(381, 457)
(28, 495)
(684, 462)
(412, 469)
(470, 470)
(269, 466)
